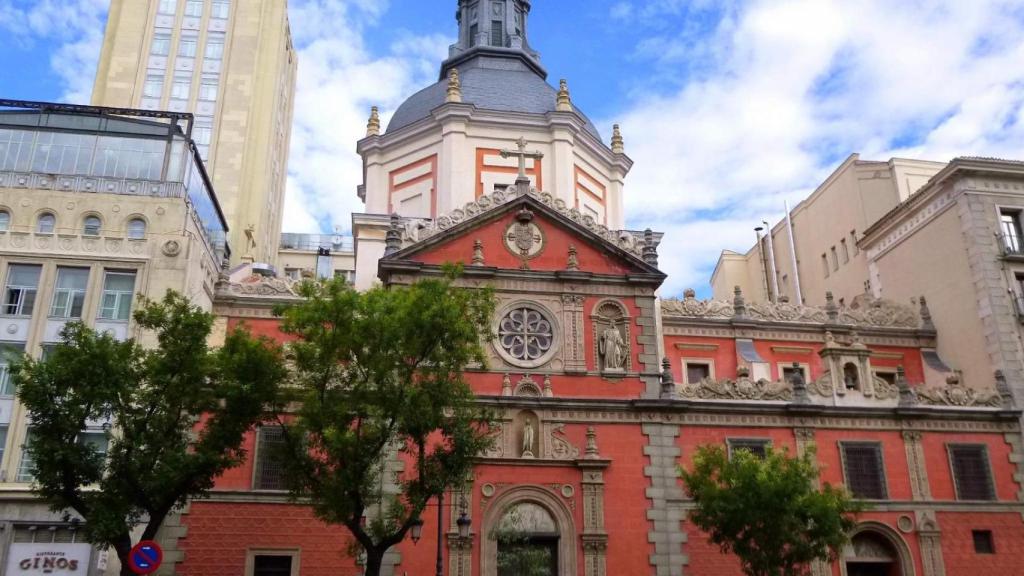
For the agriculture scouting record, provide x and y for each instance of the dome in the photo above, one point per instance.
(504, 85)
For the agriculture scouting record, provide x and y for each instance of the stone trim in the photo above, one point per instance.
(716, 329)
(573, 354)
(919, 486)
(170, 534)
(460, 550)
(929, 538)
(666, 511)
(542, 496)
(899, 544)
(595, 539)
(1017, 459)
(647, 336)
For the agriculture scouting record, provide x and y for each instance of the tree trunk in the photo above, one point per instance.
(374, 560)
(123, 548)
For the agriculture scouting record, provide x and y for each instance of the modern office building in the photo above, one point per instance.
(232, 64)
(97, 206)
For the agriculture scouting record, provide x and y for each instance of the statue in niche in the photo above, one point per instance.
(850, 377)
(529, 436)
(613, 348)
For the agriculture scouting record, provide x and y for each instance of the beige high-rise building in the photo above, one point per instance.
(232, 64)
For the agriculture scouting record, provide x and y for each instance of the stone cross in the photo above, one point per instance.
(522, 154)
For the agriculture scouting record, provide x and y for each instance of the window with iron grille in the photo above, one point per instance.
(696, 372)
(497, 33)
(1009, 221)
(865, 472)
(269, 468)
(756, 446)
(971, 473)
(267, 565)
(983, 542)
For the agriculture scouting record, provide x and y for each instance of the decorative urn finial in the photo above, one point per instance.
(907, 396)
(564, 100)
(926, 316)
(454, 87)
(1004, 390)
(800, 395)
(739, 305)
(830, 307)
(591, 450)
(618, 144)
(478, 253)
(573, 264)
(393, 238)
(668, 381)
(649, 253)
(373, 124)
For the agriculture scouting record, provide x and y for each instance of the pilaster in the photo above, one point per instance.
(916, 465)
(594, 537)
(666, 511)
(930, 539)
(572, 319)
(460, 550)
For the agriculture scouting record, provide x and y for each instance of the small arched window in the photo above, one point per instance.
(46, 223)
(851, 376)
(5, 220)
(91, 226)
(136, 229)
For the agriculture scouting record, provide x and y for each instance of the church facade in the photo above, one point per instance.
(602, 388)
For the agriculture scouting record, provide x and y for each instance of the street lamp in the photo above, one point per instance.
(464, 523)
(416, 530)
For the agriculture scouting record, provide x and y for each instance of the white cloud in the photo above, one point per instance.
(339, 80)
(789, 88)
(75, 27)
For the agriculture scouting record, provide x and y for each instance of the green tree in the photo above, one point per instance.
(768, 511)
(157, 457)
(378, 374)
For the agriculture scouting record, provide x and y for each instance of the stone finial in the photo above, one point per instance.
(650, 250)
(856, 341)
(478, 253)
(564, 102)
(393, 238)
(573, 264)
(830, 339)
(591, 452)
(668, 381)
(454, 87)
(926, 316)
(739, 305)
(830, 307)
(548, 391)
(1004, 390)
(618, 144)
(373, 124)
(800, 395)
(506, 385)
(907, 396)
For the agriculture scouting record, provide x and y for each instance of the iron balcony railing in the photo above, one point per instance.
(312, 242)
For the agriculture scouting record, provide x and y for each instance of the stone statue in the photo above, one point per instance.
(613, 348)
(528, 436)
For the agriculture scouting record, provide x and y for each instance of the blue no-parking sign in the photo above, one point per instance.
(145, 557)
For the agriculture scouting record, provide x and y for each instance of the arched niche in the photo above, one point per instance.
(875, 549)
(540, 513)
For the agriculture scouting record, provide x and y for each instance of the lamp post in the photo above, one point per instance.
(440, 532)
(464, 523)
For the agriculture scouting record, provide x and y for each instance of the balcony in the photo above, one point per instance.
(1011, 247)
(313, 242)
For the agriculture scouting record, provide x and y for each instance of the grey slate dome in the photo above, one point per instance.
(497, 68)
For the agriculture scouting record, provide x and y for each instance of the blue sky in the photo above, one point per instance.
(728, 107)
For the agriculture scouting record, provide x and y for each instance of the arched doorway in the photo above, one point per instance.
(527, 539)
(528, 531)
(871, 553)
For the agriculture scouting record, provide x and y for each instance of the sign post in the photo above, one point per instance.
(145, 557)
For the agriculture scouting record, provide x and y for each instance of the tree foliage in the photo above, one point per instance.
(380, 373)
(769, 512)
(157, 456)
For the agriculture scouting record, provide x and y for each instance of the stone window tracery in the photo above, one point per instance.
(525, 334)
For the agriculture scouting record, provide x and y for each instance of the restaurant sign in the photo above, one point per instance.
(54, 559)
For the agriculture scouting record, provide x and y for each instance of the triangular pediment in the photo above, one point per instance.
(524, 230)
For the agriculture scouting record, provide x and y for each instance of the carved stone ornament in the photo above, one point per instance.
(954, 393)
(558, 446)
(882, 390)
(523, 237)
(612, 337)
(257, 285)
(743, 388)
(171, 248)
(528, 388)
(416, 230)
(865, 311)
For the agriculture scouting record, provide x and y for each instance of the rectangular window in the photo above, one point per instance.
(215, 47)
(272, 565)
(844, 251)
(161, 45)
(63, 153)
(756, 446)
(3, 442)
(853, 242)
(96, 439)
(835, 259)
(865, 473)
(474, 30)
(971, 473)
(16, 149)
(27, 466)
(168, 6)
(69, 293)
(22, 286)
(154, 87)
(983, 542)
(697, 371)
(1009, 221)
(181, 88)
(788, 372)
(135, 158)
(269, 470)
(194, 8)
(220, 9)
(293, 273)
(202, 135)
(187, 47)
(824, 264)
(497, 33)
(118, 291)
(8, 353)
(886, 376)
(208, 90)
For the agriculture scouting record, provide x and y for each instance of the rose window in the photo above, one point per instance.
(525, 334)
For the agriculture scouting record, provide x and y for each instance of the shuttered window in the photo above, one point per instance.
(756, 446)
(269, 470)
(971, 472)
(865, 472)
